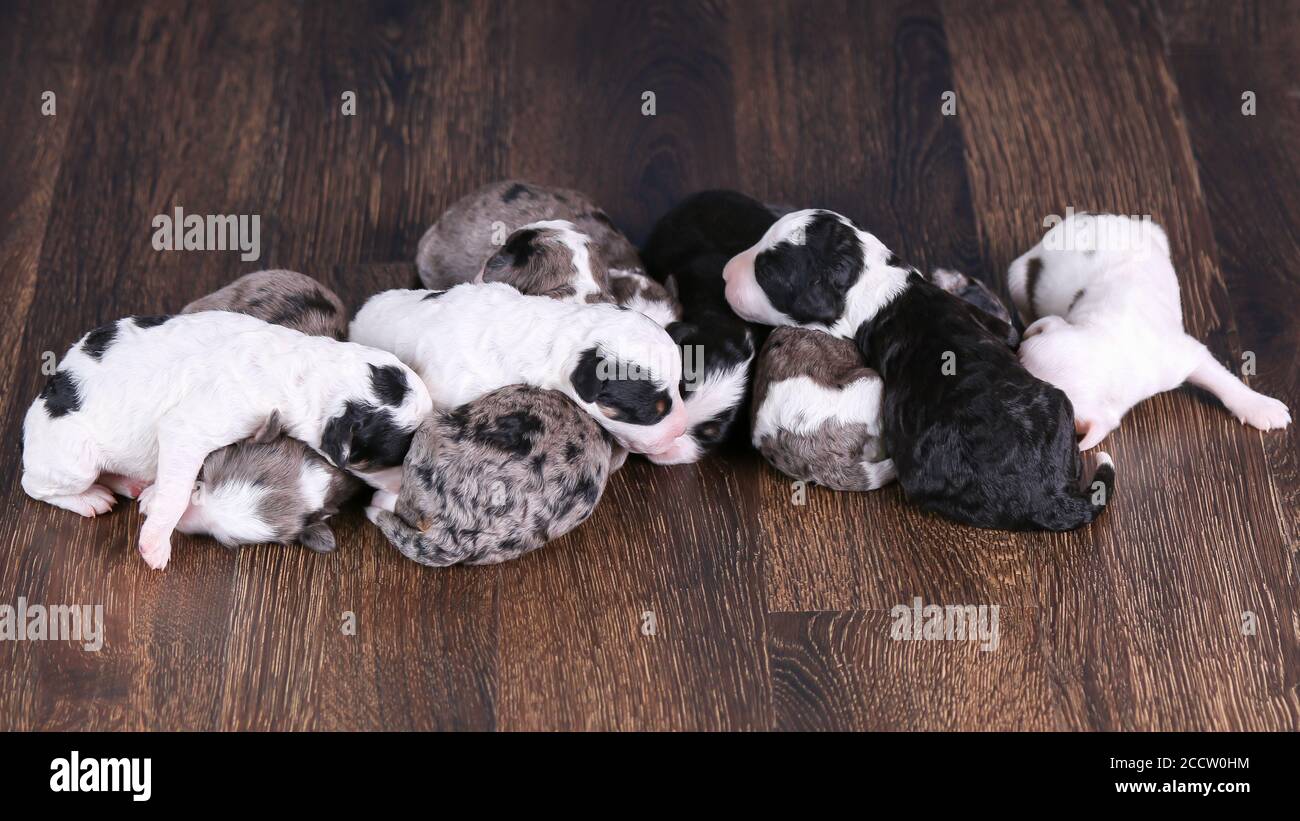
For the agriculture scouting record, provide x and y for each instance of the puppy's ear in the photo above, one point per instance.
(585, 379)
(270, 429)
(497, 267)
(318, 537)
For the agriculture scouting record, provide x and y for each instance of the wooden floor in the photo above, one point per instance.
(768, 614)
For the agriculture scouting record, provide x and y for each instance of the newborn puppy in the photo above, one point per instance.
(616, 364)
(973, 435)
(1109, 326)
(452, 251)
(686, 251)
(816, 410)
(281, 297)
(272, 488)
(269, 488)
(495, 478)
(149, 398)
(552, 259)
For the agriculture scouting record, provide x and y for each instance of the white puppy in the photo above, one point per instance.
(1107, 326)
(146, 399)
(616, 364)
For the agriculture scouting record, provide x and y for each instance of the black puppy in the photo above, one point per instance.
(686, 251)
(974, 436)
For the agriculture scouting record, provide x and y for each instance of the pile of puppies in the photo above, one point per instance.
(488, 410)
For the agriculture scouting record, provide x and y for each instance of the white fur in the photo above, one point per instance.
(1111, 328)
(802, 406)
(476, 338)
(228, 515)
(162, 398)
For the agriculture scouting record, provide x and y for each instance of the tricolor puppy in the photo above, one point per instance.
(616, 364)
(687, 251)
(476, 226)
(973, 435)
(147, 399)
(495, 478)
(1107, 325)
(272, 488)
(816, 409)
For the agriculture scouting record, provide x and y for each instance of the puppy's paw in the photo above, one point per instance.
(1047, 323)
(1263, 412)
(384, 500)
(372, 513)
(124, 485)
(145, 499)
(880, 473)
(155, 547)
(95, 500)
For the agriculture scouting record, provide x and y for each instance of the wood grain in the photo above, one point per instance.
(768, 613)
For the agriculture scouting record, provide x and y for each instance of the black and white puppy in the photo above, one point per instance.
(616, 364)
(146, 399)
(687, 251)
(973, 435)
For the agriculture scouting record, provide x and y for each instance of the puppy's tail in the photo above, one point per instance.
(1086, 502)
(426, 548)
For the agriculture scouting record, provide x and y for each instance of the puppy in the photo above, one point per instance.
(281, 297)
(1107, 328)
(686, 251)
(495, 478)
(149, 398)
(816, 409)
(973, 435)
(454, 248)
(272, 488)
(616, 364)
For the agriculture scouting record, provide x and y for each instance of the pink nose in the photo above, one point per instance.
(674, 425)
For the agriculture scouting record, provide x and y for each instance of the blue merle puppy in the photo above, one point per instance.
(496, 478)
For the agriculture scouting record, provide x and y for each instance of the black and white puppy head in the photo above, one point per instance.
(371, 429)
(626, 374)
(549, 258)
(715, 374)
(816, 269)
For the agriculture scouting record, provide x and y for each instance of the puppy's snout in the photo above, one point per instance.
(673, 426)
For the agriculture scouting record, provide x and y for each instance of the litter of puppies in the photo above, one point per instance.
(488, 411)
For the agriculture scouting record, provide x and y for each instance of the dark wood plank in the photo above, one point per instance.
(676, 541)
(358, 192)
(1149, 619)
(1255, 218)
(873, 89)
(843, 671)
(171, 110)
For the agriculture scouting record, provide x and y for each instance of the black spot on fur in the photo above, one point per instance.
(636, 400)
(432, 295)
(809, 281)
(515, 191)
(98, 341)
(61, 395)
(151, 321)
(425, 475)
(539, 463)
(586, 491)
(365, 437)
(515, 433)
(1033, 268)
(1076, 299)
(519, 247)
(571, 452)
(389, 384)
(296, 305)
(894, 261)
